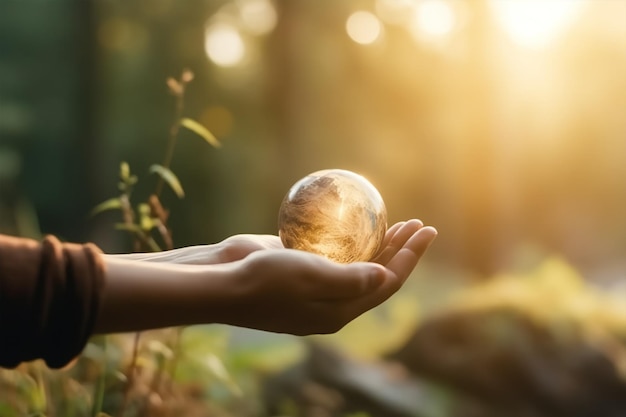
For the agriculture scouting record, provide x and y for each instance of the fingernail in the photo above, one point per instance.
(433, 231)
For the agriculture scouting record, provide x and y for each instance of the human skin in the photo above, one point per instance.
(253, 281)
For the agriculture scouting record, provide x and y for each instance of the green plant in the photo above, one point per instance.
(167, 372)
(147, 221)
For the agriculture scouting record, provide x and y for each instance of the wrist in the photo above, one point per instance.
(142, 295)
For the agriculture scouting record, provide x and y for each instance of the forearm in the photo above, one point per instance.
(141, 295)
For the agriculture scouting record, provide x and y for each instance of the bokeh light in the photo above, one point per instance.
(258, 16)
(218, 119)
(363, 27)
(500, 122)
(535, 23)
(224, 45)
(433, 18)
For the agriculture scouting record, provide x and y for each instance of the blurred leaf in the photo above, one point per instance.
(216, 366)
(110, 204)
(124, 171)
(128, 227)
(143, 209)
(200, 130)
(269, 357)
(154, 247)
(396, 319)
(7, 410)
(145, 362)
(198, 342)
(146, 223)
(203, 340)
(170, 178)
(159, 348)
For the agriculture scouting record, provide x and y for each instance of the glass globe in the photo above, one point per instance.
(335, 213)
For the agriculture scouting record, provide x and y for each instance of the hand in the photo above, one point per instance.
(256, 283)
(290, 291)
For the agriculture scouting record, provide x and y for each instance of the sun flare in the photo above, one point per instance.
(535, 23)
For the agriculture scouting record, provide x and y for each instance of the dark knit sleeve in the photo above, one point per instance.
(49, 299)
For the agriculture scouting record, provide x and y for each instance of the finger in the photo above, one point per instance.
(405, 260)
(397, 241)
(397, 270)
(389, 234)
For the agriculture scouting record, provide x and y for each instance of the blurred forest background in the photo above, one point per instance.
(500, 122)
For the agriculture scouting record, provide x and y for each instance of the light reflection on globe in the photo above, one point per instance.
(335, 213)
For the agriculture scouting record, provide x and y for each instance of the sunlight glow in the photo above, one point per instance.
(434, 18)
(219, 120)
(258, 16)
(394, 11)
(223, 45)
(535, 23)
(363, 27)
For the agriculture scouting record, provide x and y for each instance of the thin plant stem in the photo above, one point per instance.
(130, 375)
(174, 129)
(176, 353)
(99, 394)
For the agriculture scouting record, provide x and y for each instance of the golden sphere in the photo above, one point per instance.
(335, 213)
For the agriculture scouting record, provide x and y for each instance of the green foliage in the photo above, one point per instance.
(170, 178)
(201, 131)
(395, 319)
(146, 222)
(554, 292)
(145, 373)
(111, 204)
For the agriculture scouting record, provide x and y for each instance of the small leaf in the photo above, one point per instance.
(170, 178)
(159, 348)
(110, 204)
(124, 171)
(146, 223)
(201, 131)
(216, 366)
(128, 227)
(143, 209)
